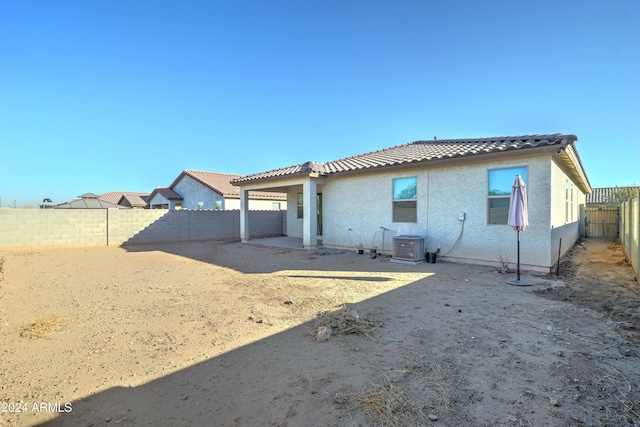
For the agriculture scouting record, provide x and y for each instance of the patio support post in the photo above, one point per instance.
(310, 220)
(244, 215)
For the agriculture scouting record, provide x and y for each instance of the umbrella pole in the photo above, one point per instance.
(518, 267)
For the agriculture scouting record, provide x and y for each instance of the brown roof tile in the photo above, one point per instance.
(167, 193)
(416, 152)
(133, 200)
(221, 183)
(115, 196)
(88, 203)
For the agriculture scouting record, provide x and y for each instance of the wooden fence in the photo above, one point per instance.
(602, 221)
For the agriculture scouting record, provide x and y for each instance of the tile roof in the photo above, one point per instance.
(416, 152)
(88, 203)
(115, 196)
(88, 196)
(133, 200)
(604, 195)
(221, 183)
(165, 192)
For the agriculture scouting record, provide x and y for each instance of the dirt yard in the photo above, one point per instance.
(224, 334)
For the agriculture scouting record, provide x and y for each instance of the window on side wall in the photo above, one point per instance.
(300, 206)
(571, 214)
(405, 195)
(566, 201)
(499, 192)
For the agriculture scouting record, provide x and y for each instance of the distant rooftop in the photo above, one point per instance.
(604, 195)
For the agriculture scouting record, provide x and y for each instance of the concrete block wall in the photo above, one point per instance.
(630, 231)
(124, 223)
(264, 223)
(23, 228)
(52, 227)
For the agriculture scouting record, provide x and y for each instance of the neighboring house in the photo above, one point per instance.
(610, 196)
(88, 201)
(212, 190)
(164, 198)
(454, 192)
(131, 199)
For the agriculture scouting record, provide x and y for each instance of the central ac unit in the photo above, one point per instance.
(408, 248)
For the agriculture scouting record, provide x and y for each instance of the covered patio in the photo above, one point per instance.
(303, 182)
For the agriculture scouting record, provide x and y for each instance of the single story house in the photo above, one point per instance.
(112, 199)
(454, 193)
(211, 190)
(164, 198)
(89, 201)
(131, 199)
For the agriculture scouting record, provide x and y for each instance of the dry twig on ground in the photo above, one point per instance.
(42, 327)
(387, 403)
(626, 412)
(346, 320)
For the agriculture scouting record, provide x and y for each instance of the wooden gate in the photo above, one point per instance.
(602, 221)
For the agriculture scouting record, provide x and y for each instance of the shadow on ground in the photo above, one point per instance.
(285, 379)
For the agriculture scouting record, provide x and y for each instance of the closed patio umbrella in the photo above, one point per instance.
(518, 218)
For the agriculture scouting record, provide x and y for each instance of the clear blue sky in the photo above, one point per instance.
(119, 95)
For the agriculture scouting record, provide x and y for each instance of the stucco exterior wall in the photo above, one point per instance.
(294, 224)
(194, 192)
(255, 204)
(566, 208)
(159, 199)
(567, 202)
(357, 208)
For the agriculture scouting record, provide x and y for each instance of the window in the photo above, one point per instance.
(275, 206)
(566, 201)
(571, 213)
(405, 197)
(499, 192)
(300, 206)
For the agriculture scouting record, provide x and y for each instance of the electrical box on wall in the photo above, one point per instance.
(461, 216)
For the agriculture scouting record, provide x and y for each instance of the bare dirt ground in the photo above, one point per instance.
(223, 334)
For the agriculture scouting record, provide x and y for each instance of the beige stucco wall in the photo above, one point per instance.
(563, 213)
(294, 224)
(356, 208)
(255, 204)
(194, 192)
